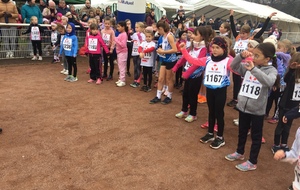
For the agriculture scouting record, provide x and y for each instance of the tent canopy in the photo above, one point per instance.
(244, 10)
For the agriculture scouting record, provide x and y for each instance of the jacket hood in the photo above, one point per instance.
(73, 29)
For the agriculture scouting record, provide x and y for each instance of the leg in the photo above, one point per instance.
(74, 66)
(105, 64)
(70, 64)
(237, 82)
(256, 135)
(186, 95)
(244, 125)
(279, 128)
(220, 101)
(93, 67)
(194, 88)
(39, 46)
(112, 65)
(129, 47)
(34, 46)
(211, 110)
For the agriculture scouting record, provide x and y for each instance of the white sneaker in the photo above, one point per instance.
(120, 84)
(66, 72)
(40, 58)
(11, 54)
(118, 81)
(62, 71)
(7, 54)
(34, 58)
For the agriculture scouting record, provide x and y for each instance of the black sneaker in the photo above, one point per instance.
(207, 138)
(275, 148)
(104, 76)
(166, 101)
(291, 187)
(285, 148)
(143, 88)
(128, 74)
(155, 100)
(109, 78)
(148, 89)
(232, 103)
(217, 143)
(53, 61)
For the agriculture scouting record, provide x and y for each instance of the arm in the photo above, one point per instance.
(41, 29)
(61, 47)
(28, 30)
(293, 113)
(23, 13)
(284, 56)
(58, 40)
(75, 46)
(294, 152)
(179, 63)
(232, 26)
(261, 32)
(148, 50)
(121, 41)
(193, 68)
(236, 65)
(112, 38)
(265, 79)
(195, 61)
(15, 13)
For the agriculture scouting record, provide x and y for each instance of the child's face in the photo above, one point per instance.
(281, 48)
(58, 17)
(154, 27)
(69, 29)
(94, 32)
(189, 34)
(217, 50)
(138, 28)
(53, 27)
(107, 24)
(244, 35)
(183, 36)
(259, 58)
(222, 29)
(197, 37)
(64, 21)
(120, 28)
(250, 48)
(128, 24)
(62, 31)
(149, 37)
(34, 21)
(92, 14)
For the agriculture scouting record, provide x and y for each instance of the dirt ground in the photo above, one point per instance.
(80, 136)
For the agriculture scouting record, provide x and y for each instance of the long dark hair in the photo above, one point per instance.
(202, 30)
(123, 24)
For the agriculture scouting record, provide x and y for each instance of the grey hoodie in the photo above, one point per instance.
(266, 75)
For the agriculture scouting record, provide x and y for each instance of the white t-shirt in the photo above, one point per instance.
(148, 59)
(136, 43)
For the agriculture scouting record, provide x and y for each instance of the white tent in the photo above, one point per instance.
(245, 10)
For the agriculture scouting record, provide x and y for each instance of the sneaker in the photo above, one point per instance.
(134, 84)
(232, 103)
(263, 140)
(216, 128)
(273, 121)
(40, 58)
(166, 101)
(34, 58)
(246, 166)
(143, 88)
(7, 54)
(235, 120)
(53, 61)
(90, 81)
(68, 77)
(11, 54)
(118, 81)
(155, 100)
(104, 76)
(120, 84)
(109, 78)
(181, 114)
(66, 72)
(88, 71)
(190, 118)
(62, 71)
(284, 148)
(275, 148)
(204, 126)
(234, 156)
(128, 74)
(57, 60)
(207, 138)
(217, 143)
(73, 79)
(148, 89)
(98, 81)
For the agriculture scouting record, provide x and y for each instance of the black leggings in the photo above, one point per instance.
(147, 74)
(129, 47)
(137, 67)
(282, 129)
(274, 96)
(190, 95)
(111, 64)
(178, 78)
(72, 64)
(95, 65)
(237, 82)
(37, 45)
(216, 99)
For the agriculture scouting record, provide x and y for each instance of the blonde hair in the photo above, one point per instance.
(287, 44)
(245, 28)
(33, 17)
(140, 24)
(296, 59)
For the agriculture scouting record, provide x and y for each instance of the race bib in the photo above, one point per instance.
(147, 55)
(93, 43)
(251, 87)
(106, 38)
(296, 93)
(214, 73)
(135, 47)
(35, 33)
(67, 44)
(54, 37)
(240, 46)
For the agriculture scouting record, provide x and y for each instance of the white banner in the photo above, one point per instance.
(132, 6)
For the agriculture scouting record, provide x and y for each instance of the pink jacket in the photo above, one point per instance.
(121, 43)
(94, 44)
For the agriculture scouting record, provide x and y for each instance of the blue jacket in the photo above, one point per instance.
(73, 41)
(28, 11)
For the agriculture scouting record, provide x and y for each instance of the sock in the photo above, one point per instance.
(170, 95)
(283, 145)
(158, 94)
(220, 137)
(210, 133)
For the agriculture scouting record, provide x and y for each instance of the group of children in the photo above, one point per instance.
(260, 68)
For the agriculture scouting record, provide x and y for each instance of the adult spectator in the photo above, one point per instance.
(164, 18)
(50, 12)
(31, 9)
(109, 14)
(62, 7)
(180, 18)
(73, 12)
(100, 13)
(87, 9)
(201, 21)
(8, 14)
(211, 22)
(193, 21)
(150, 18)
(42, 5)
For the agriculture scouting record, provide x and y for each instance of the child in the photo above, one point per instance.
(259, 76)
(121, 49)
(192, 74)
(137, 38)
(59, 18)
(292, 155)
(146, 51)
(70, 47)
(168, 51)
(290, 98)
(225, 30)
(61, 29)
(35, 31)
(108, 35)
(54, 38)
(178, 78)
(129, 45)
(216, 80)
(94, 43)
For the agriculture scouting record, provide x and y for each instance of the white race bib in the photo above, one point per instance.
(35, 33)
(251, 87)
(135, 47)
(53, 37)
(240, 46)
(93, 43)
(296, 93)
(215, 72)
(147, 55)
(106, 38)
(67, 44)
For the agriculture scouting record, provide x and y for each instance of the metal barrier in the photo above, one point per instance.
(15, 45)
